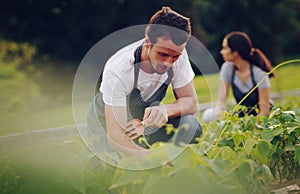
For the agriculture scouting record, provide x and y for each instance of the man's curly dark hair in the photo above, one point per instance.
(168, 23)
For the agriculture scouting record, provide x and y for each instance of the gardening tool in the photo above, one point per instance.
(134, 129)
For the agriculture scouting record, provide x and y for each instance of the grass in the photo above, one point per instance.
(56, 93)
(285, 79)
(17, 122)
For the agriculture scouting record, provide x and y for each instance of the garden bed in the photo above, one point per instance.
(232, 156)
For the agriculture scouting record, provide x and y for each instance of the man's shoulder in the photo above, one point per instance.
(123, 57)
(128, 48)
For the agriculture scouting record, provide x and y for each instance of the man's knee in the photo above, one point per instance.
(191, 121)
(189, 129)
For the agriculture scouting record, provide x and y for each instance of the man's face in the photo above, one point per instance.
(163, 54)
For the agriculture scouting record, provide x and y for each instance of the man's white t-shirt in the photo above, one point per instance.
(118, 76)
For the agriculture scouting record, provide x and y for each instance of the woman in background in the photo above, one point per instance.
(244, 67)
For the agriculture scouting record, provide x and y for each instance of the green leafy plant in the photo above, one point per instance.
(282, 129)
(234, 155)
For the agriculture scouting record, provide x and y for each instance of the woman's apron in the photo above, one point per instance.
(251, 102)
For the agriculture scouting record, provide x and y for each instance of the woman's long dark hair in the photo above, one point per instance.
(240, 42)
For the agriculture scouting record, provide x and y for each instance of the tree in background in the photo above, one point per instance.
(273, 24)
(68, 28)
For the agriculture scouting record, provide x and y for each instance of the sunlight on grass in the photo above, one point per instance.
(207, 85)
(286, 78)
(56, 109)
(206, 89)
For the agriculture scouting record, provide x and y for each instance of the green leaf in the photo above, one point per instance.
(213, 152)
(289, 148)
(264, 150)
(287, 116)
(218, 165)
(186, 180)
(290, 112)
(224, 168)
(277, 131)
(272, 127)
(297, 130)
(188, 157)
(266, 172)
(291, 129)
(127, 177)
(227, 153)
(246, 168)
(204, 147)
(279, 151)
(297, 152)
(249, 144)
(237, 138)
(274, 113)
(267, 135)
(270, 134)
(161, 155)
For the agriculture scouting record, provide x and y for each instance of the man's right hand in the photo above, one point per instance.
(155, 116)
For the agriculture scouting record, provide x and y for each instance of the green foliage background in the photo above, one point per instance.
(69, 28)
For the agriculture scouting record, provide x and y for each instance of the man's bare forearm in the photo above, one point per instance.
(182, 106)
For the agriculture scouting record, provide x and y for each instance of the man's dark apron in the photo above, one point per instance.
(135, 104)
(251, 102)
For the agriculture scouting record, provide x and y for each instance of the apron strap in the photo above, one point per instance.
(252, 75)
(137, 62)
(251, 72)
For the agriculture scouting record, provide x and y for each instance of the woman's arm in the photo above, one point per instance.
(222, 98)
(263, 101)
